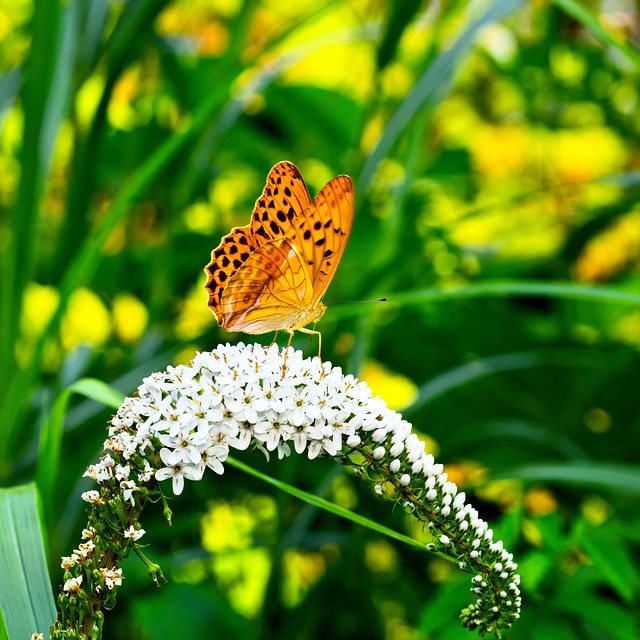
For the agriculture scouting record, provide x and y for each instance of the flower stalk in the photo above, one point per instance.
(187, 419)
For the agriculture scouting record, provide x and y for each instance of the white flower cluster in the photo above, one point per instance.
(237, 395)
(191, 415)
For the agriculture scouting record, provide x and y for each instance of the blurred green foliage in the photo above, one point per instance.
(495, 148)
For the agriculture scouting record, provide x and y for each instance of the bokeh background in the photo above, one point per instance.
(495, 151)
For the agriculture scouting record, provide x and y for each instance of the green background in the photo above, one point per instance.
(495, 152)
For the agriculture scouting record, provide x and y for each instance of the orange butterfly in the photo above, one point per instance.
(272, 274)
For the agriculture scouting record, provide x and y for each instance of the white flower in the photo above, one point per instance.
(112, 577)
(72, 585)
(213, 457)
(134, 534)
(178, 472)
(238, 396)
(92, 497)
(147, 473)
(128, 487)
(182, 448)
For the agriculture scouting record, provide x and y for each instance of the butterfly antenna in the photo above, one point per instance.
(358, 301)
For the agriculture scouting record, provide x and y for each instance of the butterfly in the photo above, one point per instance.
(272, 274)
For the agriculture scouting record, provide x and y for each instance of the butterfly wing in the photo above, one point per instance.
(319, 229)
(234, 250)
(328, 218)
(283, 198)
(273, 273)
(269, 292)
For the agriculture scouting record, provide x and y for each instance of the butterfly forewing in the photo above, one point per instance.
(283, 198)
(329, 220)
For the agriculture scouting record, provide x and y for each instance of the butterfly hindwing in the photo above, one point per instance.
(235, 248)
(269, 291)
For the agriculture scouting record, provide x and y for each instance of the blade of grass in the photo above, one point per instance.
(592, 22)
(505, 362)
(321, 503)
(500, 289)
(523, 432)
(25, 592)
(617, 478)
(52, 432)
(119, 51)
(39, 120)
(432, 86)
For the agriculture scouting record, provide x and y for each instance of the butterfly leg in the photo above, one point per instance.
(313, 332)
(274, 339)
(286, 353)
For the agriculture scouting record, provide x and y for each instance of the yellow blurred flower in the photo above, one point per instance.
(199, 21)
(465, 472)
(505, 493)
(596, 510)
(14, 39)
(243, 577)
(533, 229)
(567, 64)
(39, 304)
(380, 556)
(302, 570)
(194, 317)
(227, 527)
(87, 99)
(200, 218)
(540, 501)
(598, 420)
(395, 389)
(86, 320)
(627, 329)
(612, 251)
(499, 152)
(121, 110)
(240, 568)
(232, 195)
(130, 318)
(341, 61)
(586, 153)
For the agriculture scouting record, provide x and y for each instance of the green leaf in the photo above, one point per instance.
(609, 551)
(503, 363)
(617, 478)
(42, 114)
(25, 592)
(500, 289)
(52, 432)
